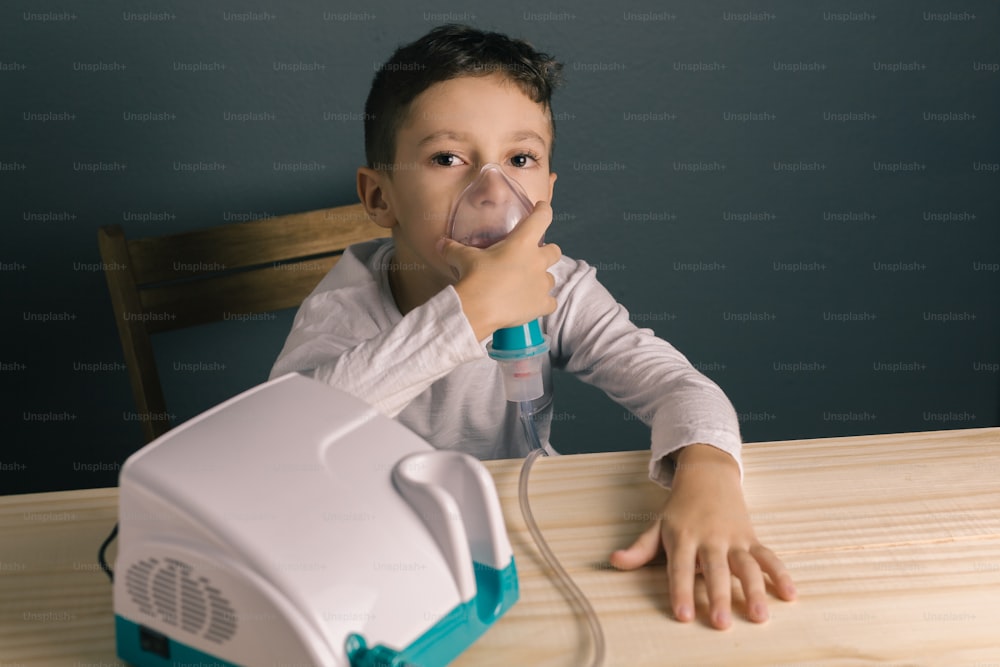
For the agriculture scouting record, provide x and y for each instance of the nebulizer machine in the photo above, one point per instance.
(485, 213)
(295, 525)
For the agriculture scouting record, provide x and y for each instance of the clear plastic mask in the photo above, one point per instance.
(488, 209)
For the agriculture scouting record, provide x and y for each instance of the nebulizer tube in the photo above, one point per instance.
(573, 591)
(487, 210)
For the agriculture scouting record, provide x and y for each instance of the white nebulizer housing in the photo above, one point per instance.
(295, 525)
(486, 211)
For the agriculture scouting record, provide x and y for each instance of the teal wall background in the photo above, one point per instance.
(803, 198)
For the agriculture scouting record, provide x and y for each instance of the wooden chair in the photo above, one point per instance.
(181, 280)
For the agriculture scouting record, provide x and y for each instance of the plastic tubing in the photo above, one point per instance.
(570, 589)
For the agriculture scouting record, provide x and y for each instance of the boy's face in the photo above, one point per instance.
(453, 128)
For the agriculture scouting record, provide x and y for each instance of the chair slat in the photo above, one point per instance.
(260, 242)
(233, 296)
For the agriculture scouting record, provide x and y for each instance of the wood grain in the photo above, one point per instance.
(894, 543)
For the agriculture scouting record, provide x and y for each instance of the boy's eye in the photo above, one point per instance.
(522, 160)
(446, 160)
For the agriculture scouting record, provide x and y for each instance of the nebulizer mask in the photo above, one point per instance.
(485, 213)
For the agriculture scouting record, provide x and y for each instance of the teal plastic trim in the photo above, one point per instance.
(168, 652)
(515, 339)
(496, 592)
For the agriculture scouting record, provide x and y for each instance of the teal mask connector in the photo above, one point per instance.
(486, 211)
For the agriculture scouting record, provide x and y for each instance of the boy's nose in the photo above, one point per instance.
(491, 191)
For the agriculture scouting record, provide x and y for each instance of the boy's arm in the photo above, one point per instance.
(339, 342)
(696, 445)
(394, 367)
(594, 338)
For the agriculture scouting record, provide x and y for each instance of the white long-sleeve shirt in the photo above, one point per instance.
(428, 371)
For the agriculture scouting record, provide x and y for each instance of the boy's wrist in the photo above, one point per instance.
(476, 311)
(702, 457)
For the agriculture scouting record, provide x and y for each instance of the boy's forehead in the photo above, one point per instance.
(464, 105)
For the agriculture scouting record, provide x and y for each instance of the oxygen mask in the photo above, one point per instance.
(488, 209)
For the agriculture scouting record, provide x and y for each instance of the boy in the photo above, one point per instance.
(403, 323)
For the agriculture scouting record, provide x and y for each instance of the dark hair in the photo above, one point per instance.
(448, 52)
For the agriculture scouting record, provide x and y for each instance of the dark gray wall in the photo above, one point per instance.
(801, 197)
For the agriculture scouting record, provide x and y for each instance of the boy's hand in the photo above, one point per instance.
(705, 527)
(508, 283)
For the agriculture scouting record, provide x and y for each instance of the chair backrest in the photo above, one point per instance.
(170, 282)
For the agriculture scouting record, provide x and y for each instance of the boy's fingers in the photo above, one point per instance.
(718, 581)
(644, 549)
(775, 568)
(552, 253)
(680, 579)
(533, 227)
(746, 569)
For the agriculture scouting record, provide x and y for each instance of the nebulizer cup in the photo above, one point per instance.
(486, 212)
(521, 352)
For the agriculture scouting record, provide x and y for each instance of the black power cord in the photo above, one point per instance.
(104, 547)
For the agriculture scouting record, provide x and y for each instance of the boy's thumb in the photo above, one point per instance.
(452, 252)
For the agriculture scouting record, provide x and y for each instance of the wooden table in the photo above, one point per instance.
(893, 540)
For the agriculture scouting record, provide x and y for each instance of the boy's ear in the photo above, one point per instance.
(371, 192)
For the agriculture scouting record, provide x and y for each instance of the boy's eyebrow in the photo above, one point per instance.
(441, 134)
(524, 135)
(520, 135)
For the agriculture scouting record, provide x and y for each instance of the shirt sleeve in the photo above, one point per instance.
(595, 339)
(336, 341)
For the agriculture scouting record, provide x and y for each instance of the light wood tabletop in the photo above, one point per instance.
(893, 541)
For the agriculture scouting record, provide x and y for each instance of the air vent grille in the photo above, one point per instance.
(168, 589)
